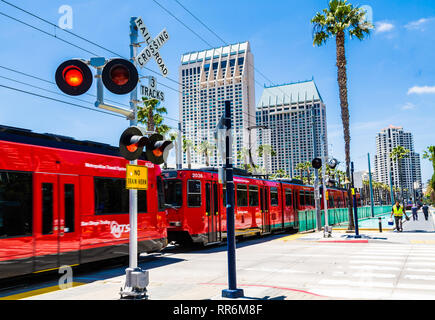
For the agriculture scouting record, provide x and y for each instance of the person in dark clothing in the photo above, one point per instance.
(426, 211)
(414, 210)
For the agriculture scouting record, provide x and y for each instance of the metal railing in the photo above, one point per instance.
(307, 218)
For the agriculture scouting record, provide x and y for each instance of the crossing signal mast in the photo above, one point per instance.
(120, 76)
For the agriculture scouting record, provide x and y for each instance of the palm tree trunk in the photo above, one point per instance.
(189, 160)
(150, 120)
(342, 84)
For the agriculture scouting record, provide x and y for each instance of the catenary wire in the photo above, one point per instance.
(78, 36)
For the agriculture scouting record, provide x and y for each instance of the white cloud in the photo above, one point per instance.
(408, 106)
(421, 90)
(419, 24)
(384, 27)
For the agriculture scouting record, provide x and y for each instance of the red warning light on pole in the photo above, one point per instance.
(120, 76)
(73, 77)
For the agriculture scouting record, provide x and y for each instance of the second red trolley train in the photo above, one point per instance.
(197, 205)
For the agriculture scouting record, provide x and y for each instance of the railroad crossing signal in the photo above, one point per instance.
(152, 48)
(133, 141)
(74, 77)
(316, 163)
(333, 163)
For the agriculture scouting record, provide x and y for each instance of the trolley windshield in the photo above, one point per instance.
(173, 193)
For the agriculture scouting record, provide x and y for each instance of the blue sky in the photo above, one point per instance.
(391, 74)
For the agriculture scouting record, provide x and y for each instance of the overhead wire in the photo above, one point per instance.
(76, 35)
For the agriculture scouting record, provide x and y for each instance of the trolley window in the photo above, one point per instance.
(69, 207)
(302, 198)
(16, 204)
(274, 197)
(160, 194)
(111, 197)
(194, 193)
(288, 197)
(242, 195)
(173, 193)
(253, 196)
(47, 208)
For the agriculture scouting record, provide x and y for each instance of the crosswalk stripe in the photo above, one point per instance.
(377, 258)
(353, 283)
(372, 267)
(419, 270)
(422, 263)
(365, 275)
(376, 262)
(415, 286)
(349, 293)
(419, 277)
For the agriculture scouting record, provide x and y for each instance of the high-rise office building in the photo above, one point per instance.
(208, 78)
(287, 112)
(386, 141)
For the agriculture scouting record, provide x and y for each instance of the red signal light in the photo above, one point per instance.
(132, 147)
(157, 152)
(73, 76)
(119, 75)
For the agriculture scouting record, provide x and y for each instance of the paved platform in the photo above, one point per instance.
(387, 265)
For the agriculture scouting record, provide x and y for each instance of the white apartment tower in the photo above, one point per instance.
(208, 78)
(287, 111)
(386, 141)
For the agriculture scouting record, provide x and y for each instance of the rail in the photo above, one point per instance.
(307, 218)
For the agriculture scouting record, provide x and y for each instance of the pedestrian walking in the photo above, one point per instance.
(398, 212)
(426, 211)
(414, 211)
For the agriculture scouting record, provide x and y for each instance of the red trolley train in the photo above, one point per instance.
(64, 202)
(197, 211)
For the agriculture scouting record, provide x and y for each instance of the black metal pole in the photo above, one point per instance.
(355, 209)
(232, 291)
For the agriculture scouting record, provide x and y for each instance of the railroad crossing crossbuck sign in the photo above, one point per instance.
(152, 48)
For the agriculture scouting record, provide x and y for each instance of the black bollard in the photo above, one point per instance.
(380, 224)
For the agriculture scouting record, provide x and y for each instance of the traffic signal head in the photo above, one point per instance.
(333, 163)
(73, 77)
(157, 149)
(131, 143)
(316, 163)
(120, 76)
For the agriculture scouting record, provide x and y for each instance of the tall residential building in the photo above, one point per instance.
(208, 78)
(386, 141)
(287, 111)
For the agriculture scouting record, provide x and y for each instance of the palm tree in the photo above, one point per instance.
(205, 149)
(173, 135)
(301, 168)
(187, 147)
(397, 154)
(280, 173)
(429, 154)
(338, 19)
(243, 155)
(151, 115)
(305, 166)
(265, 150)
